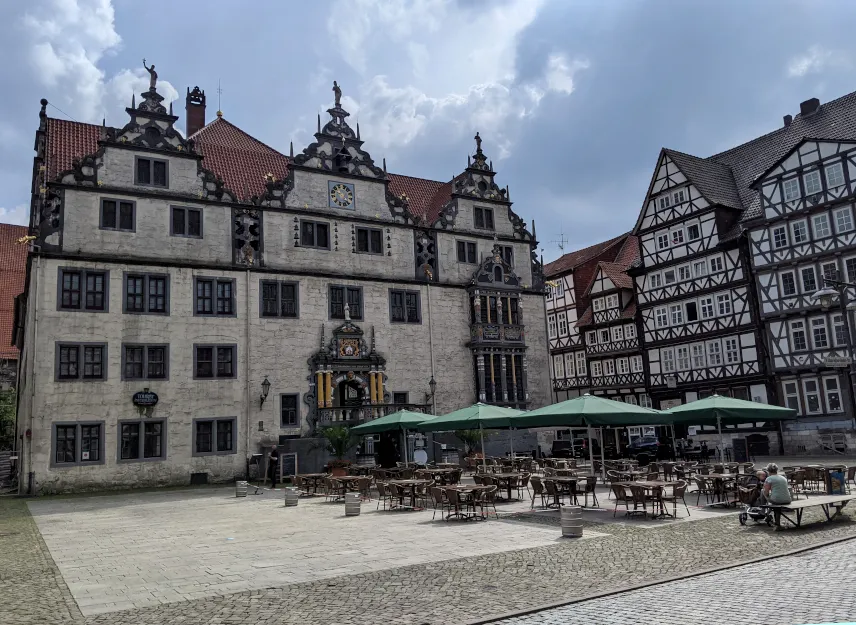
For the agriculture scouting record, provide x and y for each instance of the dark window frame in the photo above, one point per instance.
(119, 203)
(484, 212)
(59, 345)
(214, 436)
(345, 289)
(186, 220)
(215, 361)
(78, 444)
(146, 294)
(83, 273)
(468, 246)
(398, 393)
(404, 293)
(507, 254)
(369, 232)
(214, 282)
(279, 284)
(297, 419)
(315, 224)
(145, 363)
(151, 182)
(141, 440)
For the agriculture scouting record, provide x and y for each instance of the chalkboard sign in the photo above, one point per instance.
(287, 465)
(741, 449)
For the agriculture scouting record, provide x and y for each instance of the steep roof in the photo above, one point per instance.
(571, 260)
(66, 141)
(426, 197)
(13, 272)
(713, 180)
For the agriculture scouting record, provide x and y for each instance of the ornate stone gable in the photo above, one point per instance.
(495, 273)
(151, 126)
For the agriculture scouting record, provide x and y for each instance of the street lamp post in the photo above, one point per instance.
(825, 296)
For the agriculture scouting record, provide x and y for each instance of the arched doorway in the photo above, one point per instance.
(349, 394)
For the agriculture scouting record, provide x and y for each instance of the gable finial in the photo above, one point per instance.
(319, 122)
(170, 108)
(468, 160)
(358, 131)
(490, 165)
(384, 164)
(133, 101)
(507, 193)
(291, 149)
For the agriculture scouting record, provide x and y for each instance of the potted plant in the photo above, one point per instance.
(471, 440)
(339, 443)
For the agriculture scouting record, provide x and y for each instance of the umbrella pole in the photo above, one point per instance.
(404, 434)
(674, 443)
(484, 462)
(721, 441)
(591, 449)
(511, 441)
(602, 459)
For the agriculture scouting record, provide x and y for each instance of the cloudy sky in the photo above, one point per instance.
(573, 99)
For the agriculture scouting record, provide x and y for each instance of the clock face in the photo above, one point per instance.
(341, 195)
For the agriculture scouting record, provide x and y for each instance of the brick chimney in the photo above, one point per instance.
(809, 107)
(194, 107)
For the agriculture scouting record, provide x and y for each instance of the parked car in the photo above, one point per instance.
(646, 444)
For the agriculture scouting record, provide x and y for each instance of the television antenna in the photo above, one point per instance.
(561, 242)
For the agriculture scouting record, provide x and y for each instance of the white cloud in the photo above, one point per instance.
(814, 60)
(68, 41)
(19, 215)
(454, 69)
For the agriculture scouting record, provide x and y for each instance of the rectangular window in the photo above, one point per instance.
(820, 225)
(791, 189)
(608, 367)
(84, 361)
(684, 273)
(146, 294)
(668, 357)
(699, 268)
(843, 220)
(663, 241)
(644, 400)
(799, 232)
(788, 283)
(665, 201)
(723, 303)
(214, 361)
(404, 306)
(707, 310)
(677, 236)
(596, 369)
(834, 175)
(676, 313)
(714, 353)
(780, 237)
(83, 289)
(340, 295)
(832, 394)
(818, 333)
(77, 444)
(840, 330)
(811, 181)
(315, 234)
(369, 241)
(145, 362)
(142, 440)
(289, 410)
(215, 297)
(117, 215)
(792, 397)
(612, 301)
(467, 252)
(484, 218)
(656, 280)
(678, 197)
(636, 364)
(151, 172)
(732, 351)
(829, 270)
(630, 331)
(809, 284)
(279, 299)
(401, 398)
(692, 311)
(698, 356)
(798, 338)
(850, 267)
(186, 222)
(563, 324)
(66, 444)
(662, 317)
(591, 337)
(617, 334)
(551, 326)
(604, 336)
(558, 366)
(812, 396)
(716, 264)
(214, 436)
(597, 304)
(683, 358)
(508, 254)
(581, 364)
(693, 232)
(669, 276)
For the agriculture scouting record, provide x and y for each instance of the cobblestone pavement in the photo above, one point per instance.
(810, 587)
(435, 593)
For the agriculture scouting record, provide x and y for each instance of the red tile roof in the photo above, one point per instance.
(241, 160)
(67, 140)
(616, 273)
(13, 271)
(426, 197)
(573, 259)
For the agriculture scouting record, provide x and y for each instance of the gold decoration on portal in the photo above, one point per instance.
(349, 348)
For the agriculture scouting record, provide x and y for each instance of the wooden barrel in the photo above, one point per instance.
(240, 489)
(352, 504)
(291, 497)
(572, 521)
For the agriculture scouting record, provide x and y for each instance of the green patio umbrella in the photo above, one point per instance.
(478, 415)
(401, 420)
(718, 409)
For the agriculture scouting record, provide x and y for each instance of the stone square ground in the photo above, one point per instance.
(165, 558)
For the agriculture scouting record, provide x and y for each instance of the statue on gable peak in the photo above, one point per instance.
(153, 75)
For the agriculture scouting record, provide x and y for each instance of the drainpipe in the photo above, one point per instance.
(247, 363)
(28, 441)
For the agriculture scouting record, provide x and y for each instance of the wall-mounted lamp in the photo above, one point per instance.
(265, 391)
(433, 386)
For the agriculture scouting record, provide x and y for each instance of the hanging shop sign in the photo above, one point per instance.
(145, 398)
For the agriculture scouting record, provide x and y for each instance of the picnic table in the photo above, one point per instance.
(780, 511)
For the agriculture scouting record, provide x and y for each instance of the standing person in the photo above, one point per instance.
(273, 466)
(705, 454)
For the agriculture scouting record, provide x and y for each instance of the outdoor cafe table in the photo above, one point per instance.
(569, 481)
(719, 480)
(506, 479)
(447, 465)
(314, 478)
(410, 485)
(466, 493)
(440, 474)
(631, 473)
(655, 487)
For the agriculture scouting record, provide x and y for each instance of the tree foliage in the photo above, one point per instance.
(7, 419)
(339, 440)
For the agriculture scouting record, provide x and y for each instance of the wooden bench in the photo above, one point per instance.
(824, 501)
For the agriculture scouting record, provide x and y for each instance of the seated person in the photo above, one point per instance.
(756, 481)
(775, 487)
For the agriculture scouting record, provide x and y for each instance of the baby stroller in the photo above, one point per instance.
(749, 496)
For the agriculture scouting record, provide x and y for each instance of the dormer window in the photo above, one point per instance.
(678, 197)
(612, 301)
(811, 180)
(791, 189)
(151, 172)
(665, 201)
(597, 304)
